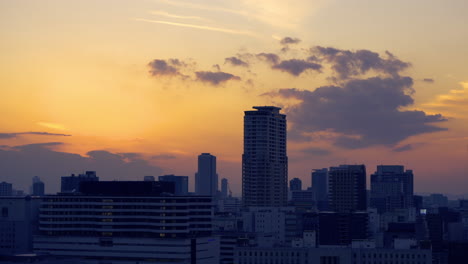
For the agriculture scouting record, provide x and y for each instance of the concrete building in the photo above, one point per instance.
(224, 188)
(18, 224)
(206, 179)
(38, 187)
(295, 184)
(319, 179)
(128, 222)
(278, 222)
(6, 189)
(229, 204)
(347, 188)
(149, 178)
(264, 162)
(391, 188)
(310, 255)
(72, 183)
(180, 183)
(342, 228)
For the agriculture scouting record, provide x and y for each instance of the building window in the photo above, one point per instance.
(4, 211)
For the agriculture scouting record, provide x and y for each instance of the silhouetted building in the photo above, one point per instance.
(127, 188)
(38, 187)
(128, 222)
(180, 183)
(435, 200)
(391, 188)
(19, 218)
(224, 188)
(206, 179)
(264, 162)
(320, 188)
(6, 189)
(72, 183)
(295, 184)
(342, 228)
(347, 188)
(148, 178)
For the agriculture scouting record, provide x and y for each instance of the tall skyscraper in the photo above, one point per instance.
(320, 188)
(264, 162)
(206, 179)
(347, 188)
(295, 184)
(180, 183)
(38, 187)
(391, 188)
(224, 188)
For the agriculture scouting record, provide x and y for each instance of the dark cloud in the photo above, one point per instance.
(364, 112)
(316, 151)
(269, 57)
(13, 135)
(289, 40)
(19, 164)
(215, 78)
(170, 67)
(296, 67)
(236, 61)
(428, 80)
(348, 63)
(403, 148)
(163, 156)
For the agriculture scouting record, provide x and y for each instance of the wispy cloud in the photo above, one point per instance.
(166, 14)
(52, 125)
(277, 13)
(13, 135)
(204, 7)
(217, 29)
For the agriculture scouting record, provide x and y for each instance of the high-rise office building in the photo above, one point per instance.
(391, 188)
(180, 183)
(264, 162)
(224, 188)
(6, 189)
(347, 188)
(206, 179)
(38, 187)
(72, 183)
(295, 184)
(320, 188)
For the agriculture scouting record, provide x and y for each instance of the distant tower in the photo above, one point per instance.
(206, 179)
(224, 188)
(295, 184)
(347, 188)
(38, 187)
(391, 188)
(320, 188)
(264, 162)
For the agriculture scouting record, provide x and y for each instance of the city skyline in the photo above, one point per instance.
(137, 100)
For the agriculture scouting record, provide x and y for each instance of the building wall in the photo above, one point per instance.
(128, 228)
(206, 178)
(347, 188)
(18, 223)
(329, 256)
(264, 162)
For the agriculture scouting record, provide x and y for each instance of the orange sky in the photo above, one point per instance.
(81, 68)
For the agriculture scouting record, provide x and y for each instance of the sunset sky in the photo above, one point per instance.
(132, 88)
